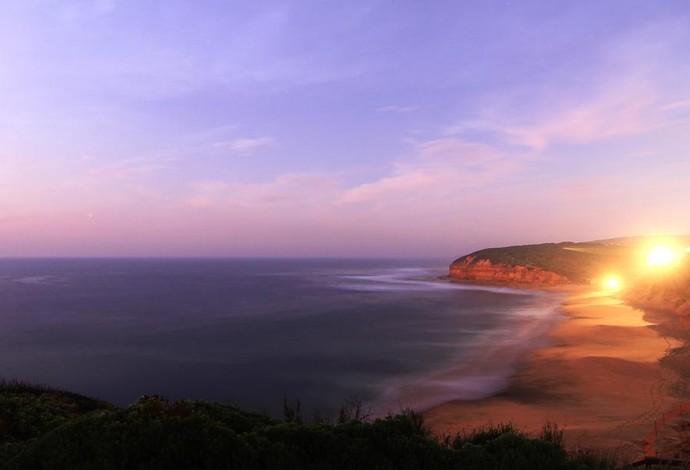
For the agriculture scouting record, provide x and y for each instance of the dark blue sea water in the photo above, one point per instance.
(249, 331)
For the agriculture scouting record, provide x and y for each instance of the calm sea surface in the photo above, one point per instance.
(249, 331)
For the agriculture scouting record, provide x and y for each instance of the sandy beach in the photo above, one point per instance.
(600, 379)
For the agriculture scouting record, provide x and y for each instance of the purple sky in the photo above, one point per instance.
(326, 128)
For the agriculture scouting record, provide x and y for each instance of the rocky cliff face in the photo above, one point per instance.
(483, 270)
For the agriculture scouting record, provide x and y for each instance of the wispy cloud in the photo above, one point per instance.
(457, 151)
(677, 105)
(104, 7)
(303, 190)
(636, 85)
(441, 171)
(247, 145)
(299, 191)
(223, 138)
(617, 108)
(613, 114)
(84, 10)
(396, 108)
(438, 172)
(127, 169)
(241, 48)
(206, 193)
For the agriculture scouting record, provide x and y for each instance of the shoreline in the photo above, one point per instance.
(487, 361)
(600, 379)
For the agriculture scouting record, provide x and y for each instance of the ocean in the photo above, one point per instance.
(253, 331)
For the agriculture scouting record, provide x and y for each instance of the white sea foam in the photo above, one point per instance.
(40, 280)
(482, 365)
(414, 280)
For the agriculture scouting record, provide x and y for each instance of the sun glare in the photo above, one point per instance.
(661, 256)
(612, 283)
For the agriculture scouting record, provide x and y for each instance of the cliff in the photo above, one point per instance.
(483, 270)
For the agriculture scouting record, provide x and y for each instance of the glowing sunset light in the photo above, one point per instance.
(612, 283)
(661, 256)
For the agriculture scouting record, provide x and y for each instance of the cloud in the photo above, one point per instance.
(246, 146)
(440, 172)
(636, 84)
(457, 151)
(214, 141)
(104, 7)
(206, 193)
(396, 108)
(616, 108)
(294, 188)
(409, 183)
(614, 114)
(437, 174)
(300, 191)
(677, 105)
(105, 54)
(127, 169)
(84, 11)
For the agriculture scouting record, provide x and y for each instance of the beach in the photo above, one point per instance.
(600, 379)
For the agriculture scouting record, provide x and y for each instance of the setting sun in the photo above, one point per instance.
(661, 255)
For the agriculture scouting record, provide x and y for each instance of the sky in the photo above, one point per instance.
(326, 128)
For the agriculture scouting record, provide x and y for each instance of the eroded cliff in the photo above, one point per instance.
(483, 270)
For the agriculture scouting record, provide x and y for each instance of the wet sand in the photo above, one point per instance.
(600, 380)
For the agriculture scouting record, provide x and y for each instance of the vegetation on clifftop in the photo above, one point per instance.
(45, 428)
(662, 290)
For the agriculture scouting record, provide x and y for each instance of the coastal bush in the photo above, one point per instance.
(482, 435)
(28, 411)
(665, 290)
(595, 459)
(551, 432)
(152, 433)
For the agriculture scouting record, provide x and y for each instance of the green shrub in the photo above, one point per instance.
(155, 434)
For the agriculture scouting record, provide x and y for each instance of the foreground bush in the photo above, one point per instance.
(154, 434)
